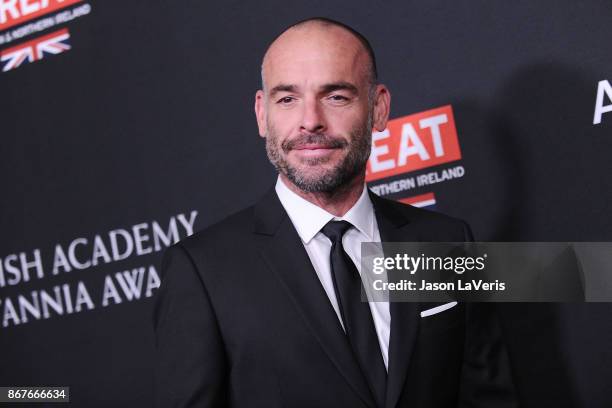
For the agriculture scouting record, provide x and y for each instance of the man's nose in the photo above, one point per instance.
(313, 119)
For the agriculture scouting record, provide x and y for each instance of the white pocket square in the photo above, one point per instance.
(438, 309)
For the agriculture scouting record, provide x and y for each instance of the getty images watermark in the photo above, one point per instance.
(487, 271)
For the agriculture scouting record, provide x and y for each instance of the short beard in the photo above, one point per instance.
(331, 180)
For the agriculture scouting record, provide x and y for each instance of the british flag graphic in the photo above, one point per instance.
(427, 200)
(35, 50)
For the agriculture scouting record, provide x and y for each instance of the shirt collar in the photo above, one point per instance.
(308, 218)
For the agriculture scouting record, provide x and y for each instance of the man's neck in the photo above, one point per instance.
(337, 202)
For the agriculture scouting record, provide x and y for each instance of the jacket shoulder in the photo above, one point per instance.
(423, 219)
(229, 231)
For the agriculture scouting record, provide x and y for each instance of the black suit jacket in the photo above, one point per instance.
(242, 320)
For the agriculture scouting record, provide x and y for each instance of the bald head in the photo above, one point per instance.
(322, 32)
(319, 104)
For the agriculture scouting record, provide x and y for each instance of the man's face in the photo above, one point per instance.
(316, 111)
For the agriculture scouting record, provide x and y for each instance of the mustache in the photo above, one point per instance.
(325, 141)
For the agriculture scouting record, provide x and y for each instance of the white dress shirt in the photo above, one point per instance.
(308, 219)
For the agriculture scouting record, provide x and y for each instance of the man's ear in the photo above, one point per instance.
(260, 113)
(382, 107)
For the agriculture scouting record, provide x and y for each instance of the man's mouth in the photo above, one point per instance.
(314, 150)
(313, 142)
(315, 146)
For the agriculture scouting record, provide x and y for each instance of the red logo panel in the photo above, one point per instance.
(414, 142)
(14, 12)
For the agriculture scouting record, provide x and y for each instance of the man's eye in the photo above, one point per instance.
(338, 98)
(285, 100)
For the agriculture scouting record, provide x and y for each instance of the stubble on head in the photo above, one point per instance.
(319, 103)
(314, 175)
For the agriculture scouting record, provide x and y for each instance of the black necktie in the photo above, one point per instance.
(356, 315)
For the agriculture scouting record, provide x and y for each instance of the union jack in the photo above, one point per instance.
(35, 50)
(424, 200)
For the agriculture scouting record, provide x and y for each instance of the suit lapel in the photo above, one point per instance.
(285, 255)
(405, 317)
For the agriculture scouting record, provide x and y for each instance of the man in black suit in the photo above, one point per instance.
(263, 308)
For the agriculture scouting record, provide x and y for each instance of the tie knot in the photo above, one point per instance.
(334, 230)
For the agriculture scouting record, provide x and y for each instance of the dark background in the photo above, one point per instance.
(151, 114)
